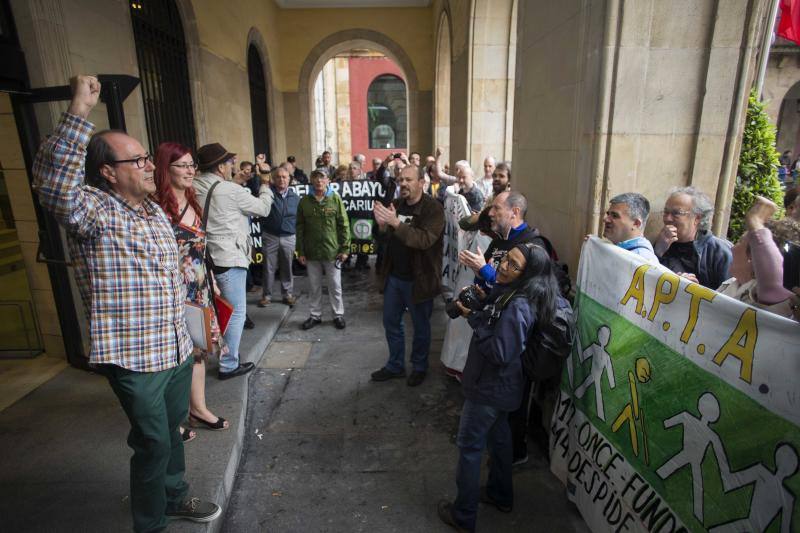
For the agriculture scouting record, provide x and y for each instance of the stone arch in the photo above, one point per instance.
(192, 38)
(441, 99)
(788, 123)
(398, 103)
(255, 39)
(338, 43)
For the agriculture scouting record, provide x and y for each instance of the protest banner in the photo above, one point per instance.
(679, 407)
(357, 198)
(455, 276)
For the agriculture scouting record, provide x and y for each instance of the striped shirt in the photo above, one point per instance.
(125, 257)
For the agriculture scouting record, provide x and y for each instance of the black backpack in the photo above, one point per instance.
(560, 269)
(549, 344)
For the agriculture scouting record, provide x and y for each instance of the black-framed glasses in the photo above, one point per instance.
(185, 166)
(511, 264)
(140, 161)
(676, 212)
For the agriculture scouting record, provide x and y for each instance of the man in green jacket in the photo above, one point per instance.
(323, 239)
(411, 272)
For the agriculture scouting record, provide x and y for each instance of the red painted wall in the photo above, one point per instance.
(363, 70)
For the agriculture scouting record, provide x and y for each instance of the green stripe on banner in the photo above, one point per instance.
(664, 413)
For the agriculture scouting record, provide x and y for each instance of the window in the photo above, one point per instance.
(386, 112)
(161, 54)
(258, 103)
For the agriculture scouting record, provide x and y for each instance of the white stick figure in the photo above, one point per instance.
(697, 436)
(601, 362)
(770, 496)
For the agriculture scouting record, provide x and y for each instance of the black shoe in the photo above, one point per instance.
(485, 498)
(248, 324)
(416, 378)
(445, 512)
(339, 322)
(241, 370)
(385, 375)
(195, 510)
(311, 322)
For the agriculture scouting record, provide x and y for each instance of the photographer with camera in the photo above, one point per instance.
(526, 293)
(411, 272)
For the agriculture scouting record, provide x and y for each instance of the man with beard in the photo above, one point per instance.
(411, 272)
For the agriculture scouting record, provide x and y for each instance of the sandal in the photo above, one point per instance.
(187, 435)
(197, 422)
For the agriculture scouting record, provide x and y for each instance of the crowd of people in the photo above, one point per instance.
(153, 236)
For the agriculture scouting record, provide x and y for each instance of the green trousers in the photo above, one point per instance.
(156, 403)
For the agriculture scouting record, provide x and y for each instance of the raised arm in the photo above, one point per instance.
(58, 170)
(256, 206)
(437, 170)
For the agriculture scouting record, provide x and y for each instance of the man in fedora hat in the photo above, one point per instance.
(227, 235)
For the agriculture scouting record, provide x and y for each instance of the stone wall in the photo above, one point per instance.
(628, 96)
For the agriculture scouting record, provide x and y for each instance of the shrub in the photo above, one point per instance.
(757, 173)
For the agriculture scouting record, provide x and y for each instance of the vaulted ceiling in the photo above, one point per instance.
(305, 4)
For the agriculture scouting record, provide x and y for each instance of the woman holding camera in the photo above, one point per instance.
(526, 292)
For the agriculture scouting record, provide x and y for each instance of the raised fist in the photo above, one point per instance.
(85, 92)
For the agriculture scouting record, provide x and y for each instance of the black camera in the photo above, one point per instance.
(468, 297)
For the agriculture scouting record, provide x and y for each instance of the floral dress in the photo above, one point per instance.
(191, 250)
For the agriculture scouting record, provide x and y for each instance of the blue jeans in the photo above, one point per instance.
(232, 286)
(396, 298)
(482, 425)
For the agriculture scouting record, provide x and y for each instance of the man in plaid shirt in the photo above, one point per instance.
(127, 269)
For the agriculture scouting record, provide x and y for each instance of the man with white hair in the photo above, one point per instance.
(686, 245)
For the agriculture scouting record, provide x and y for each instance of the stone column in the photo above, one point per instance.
(629, 96)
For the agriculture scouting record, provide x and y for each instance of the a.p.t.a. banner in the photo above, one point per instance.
(679, 407)
(456, 276)
(357, 198)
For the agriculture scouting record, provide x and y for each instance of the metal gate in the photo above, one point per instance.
(164, 72)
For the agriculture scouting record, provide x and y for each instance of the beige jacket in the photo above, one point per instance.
(228, 229)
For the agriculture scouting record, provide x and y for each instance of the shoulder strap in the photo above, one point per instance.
(208, 203)
(185, 208)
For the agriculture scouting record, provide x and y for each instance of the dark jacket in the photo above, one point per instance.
(714, 258)
(387, 181)
(282, 219)
(474, 199)
(423, 237)
(493, 373)
(299, 177)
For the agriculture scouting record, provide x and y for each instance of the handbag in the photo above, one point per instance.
(199, 317)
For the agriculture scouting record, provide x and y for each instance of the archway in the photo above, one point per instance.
(441, 106)
(788, 137)
(258, 103)
(337, 44)
(262, 105)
